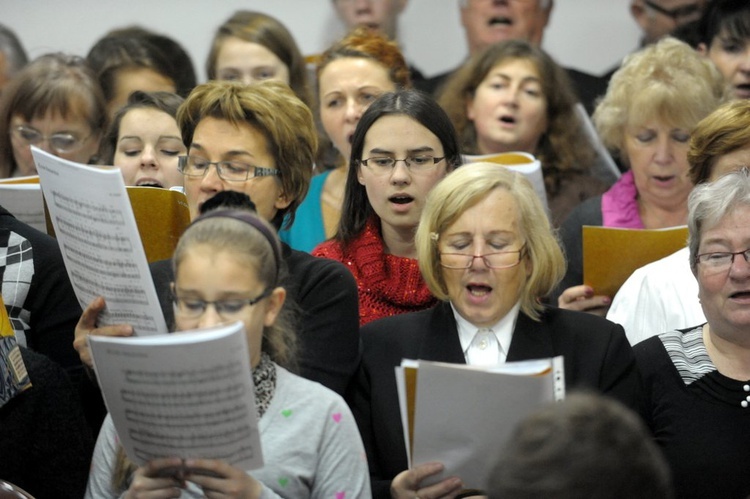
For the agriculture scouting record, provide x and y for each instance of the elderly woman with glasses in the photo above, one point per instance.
(697, 380)
(56, 104)
(487, 252)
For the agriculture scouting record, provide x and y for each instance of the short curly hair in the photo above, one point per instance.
(366, 43)
(667, 81)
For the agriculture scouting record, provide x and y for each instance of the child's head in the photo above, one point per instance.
(228, 267)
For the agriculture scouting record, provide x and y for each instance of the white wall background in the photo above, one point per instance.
(591, 35)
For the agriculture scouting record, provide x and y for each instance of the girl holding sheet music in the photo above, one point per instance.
(227, 267)
(486, 250)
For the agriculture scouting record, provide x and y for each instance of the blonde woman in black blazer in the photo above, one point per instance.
(486, 250)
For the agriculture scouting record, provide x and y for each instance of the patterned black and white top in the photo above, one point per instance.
(698, 416)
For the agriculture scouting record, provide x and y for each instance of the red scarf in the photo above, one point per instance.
(387, 284)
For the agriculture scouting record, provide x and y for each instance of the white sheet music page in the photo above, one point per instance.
(24, 201)
(187, 395)
(99, 241)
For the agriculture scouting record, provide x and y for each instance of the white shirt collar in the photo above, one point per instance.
(503, 330)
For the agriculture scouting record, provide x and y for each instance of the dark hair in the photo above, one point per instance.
(563, 147)
(11, 48)
(140, 48)
(585, 446)
(423, 109)
(725, 16)
(269, 32)
(53, 82)
(166, 102)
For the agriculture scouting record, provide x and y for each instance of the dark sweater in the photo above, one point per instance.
(45, 443)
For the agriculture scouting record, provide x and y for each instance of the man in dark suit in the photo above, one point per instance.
(486, 22)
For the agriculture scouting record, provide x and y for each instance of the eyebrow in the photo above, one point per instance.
(230, 154)
(417, 150)
(525, 79)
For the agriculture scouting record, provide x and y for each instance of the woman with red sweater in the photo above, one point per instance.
(403, 145)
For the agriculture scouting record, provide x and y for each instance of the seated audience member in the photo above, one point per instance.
(488, 22)
(487, 252)
(351, 74)
(380, 15)
(130, 59)
(12, 55)
(403, 145)
(651, 107)
(696, 381)
(260, 140)
(584, 446)
(725, 39)
(663, 295)
(144, 140)
(251, 47)
(513, 97)
(56, 104)
(45, 442)
(315, 453)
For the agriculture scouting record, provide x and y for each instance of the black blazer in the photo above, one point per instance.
(596, 352)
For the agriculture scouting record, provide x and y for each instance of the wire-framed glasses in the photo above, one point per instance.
(720, 261)
(384, 165)
(61, 142)
(192, 308)
(497, 260)
(232, 171)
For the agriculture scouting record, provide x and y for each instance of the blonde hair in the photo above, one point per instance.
(667, 81)
(724, 131)
(464, 188)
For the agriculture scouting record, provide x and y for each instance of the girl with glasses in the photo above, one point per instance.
(403, 145)
(228, 266)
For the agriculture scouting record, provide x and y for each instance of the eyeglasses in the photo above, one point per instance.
(232, 171)
(499, 260)
(384, 165)
(62, 142)
(721, 261)
(192, 308)
(681, 14)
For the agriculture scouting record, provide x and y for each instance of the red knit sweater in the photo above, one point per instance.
(387, 284)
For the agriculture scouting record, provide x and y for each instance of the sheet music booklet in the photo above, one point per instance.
(187, 394)
(99, 241)
(461, 415)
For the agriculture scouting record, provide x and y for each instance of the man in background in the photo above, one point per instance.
(487, 22)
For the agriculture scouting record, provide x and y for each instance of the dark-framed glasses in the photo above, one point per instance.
(62, 142)
(232, 171)
(680, 14)
(192, 308)
(384, 165)
(720, 261)
(498, 260)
